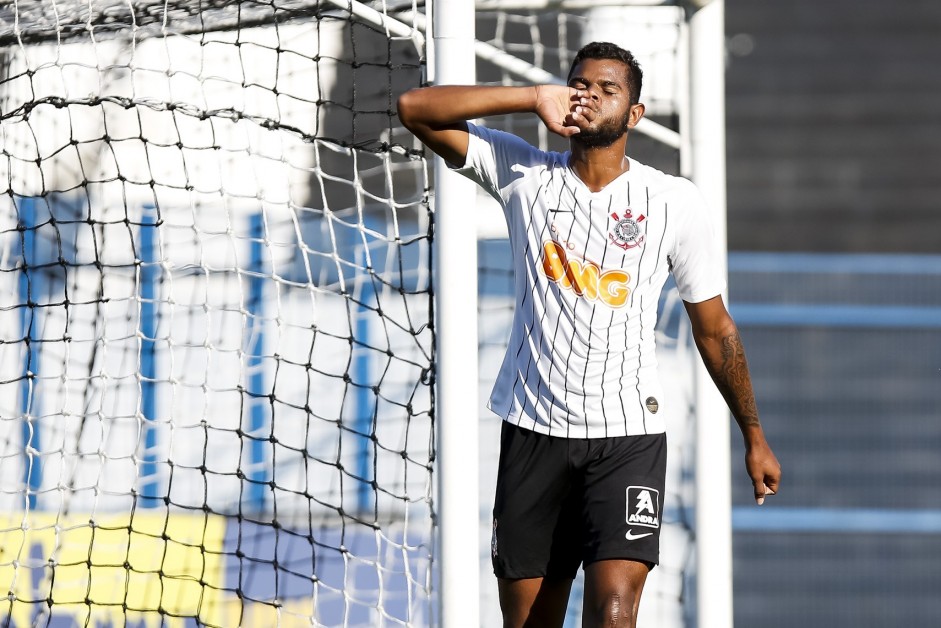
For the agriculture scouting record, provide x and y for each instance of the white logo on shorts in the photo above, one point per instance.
(643, 507)
(630, 536)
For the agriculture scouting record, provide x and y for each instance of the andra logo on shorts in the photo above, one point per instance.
(643, 508)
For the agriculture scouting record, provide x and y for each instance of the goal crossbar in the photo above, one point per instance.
(490, 53)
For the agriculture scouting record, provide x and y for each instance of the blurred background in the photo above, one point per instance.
(834, 141)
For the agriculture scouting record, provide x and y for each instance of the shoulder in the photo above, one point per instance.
(677, 191)
(515, 148)
(662, 183)
(496, 137)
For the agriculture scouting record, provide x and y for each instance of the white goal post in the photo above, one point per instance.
(456, 287)
(713, 489)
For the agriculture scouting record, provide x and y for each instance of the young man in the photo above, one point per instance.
(594, 235)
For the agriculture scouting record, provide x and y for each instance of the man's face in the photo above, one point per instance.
(606, 82)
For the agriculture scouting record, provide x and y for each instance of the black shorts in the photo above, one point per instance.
(562, 502)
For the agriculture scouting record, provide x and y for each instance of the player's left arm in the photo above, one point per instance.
(720, 345)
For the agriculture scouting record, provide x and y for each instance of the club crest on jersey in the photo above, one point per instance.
(643, 506)
(626, 231)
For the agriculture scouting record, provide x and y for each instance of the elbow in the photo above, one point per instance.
(726, 327)
(710, 320)
(723, 330)
(406, 107)
(715, 330)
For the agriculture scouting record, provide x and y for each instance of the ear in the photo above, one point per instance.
(637, 112)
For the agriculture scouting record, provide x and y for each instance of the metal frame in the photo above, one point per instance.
(713, 490)
(455, 275)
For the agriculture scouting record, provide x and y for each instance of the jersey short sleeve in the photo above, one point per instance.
(496, 160)
(695, 259)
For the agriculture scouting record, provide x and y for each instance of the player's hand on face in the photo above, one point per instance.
(586, 109)
(564, 110)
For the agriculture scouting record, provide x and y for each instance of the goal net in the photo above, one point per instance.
(217, 349)
(215, 340)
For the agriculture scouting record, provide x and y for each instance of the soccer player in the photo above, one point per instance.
(594, 235)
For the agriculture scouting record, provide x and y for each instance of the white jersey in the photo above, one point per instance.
(589, 268)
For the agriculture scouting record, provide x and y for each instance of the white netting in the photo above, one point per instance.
(216, 352)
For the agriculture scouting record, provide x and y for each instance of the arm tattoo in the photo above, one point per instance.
(731, 375)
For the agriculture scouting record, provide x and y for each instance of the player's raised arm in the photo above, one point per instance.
(438, 115)
(721, 348)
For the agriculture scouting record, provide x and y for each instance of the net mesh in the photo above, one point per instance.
(217, 358)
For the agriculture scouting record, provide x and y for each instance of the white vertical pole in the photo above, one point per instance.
(713, 492)
(456, 290)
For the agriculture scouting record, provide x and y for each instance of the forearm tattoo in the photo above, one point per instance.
(731, 376)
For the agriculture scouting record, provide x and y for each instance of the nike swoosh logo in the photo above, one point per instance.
(630, 536)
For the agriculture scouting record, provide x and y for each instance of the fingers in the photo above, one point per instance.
(567, 127)
(762, 490)
(764, 470)
(760, 495)
(771, 483)
(580, 111)
(583, 115)
(585, 110)
(580, 119)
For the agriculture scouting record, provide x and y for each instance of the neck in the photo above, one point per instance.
(599, 166)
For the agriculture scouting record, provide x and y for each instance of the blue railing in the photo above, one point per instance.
(882, 315)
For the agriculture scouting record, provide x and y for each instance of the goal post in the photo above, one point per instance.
(456, 288)
(713, 484)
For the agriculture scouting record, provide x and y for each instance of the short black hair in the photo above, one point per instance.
(607, 50)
